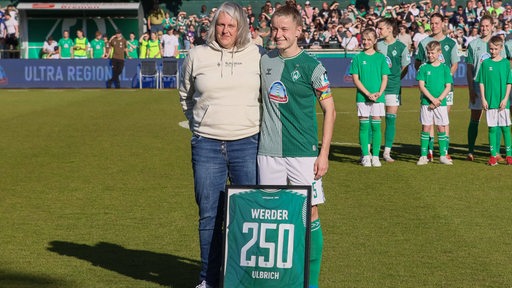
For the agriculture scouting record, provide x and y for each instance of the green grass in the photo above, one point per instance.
(96, 191)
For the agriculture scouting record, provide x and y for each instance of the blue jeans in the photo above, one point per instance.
(213, 162)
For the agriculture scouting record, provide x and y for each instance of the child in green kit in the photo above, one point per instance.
(495, 78)
(435, 82)
(370, 72)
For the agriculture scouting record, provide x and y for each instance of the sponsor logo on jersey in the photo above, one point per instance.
(277, 92)
(441, 58)
(484, 56)
(388, 60)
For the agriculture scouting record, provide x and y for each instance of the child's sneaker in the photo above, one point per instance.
(422, 161)
(367, 161)
(445, 160)
(430, 156)
(509, 160)
(493, 161)
(376, 161)
(387, 157)
(470, 157)
(448, 157)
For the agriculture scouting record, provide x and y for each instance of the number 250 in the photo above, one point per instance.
(251, 262)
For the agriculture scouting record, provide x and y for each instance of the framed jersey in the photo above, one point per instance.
(266, 236)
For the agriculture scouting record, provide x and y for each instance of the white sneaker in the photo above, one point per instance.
(445, 160)
(367, 161)
(387, 157)
(203, 285)
(376, 161)
(422, 161)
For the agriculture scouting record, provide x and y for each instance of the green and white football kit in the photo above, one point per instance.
(265, 240)
(289, 130)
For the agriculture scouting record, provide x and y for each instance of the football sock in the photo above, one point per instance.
(506, 137)
(492, 140)
(364, 126)
(472, 134)
(443, 143)
(315, 255)
(370, 132)
(498, 141)
(430, 142)
(390, 130)
(377, 136)
(447, 137)
(425, 137)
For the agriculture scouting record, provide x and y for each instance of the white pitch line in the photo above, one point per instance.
(184, 124)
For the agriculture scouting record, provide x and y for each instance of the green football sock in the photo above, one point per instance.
(377, 136)
(364, 126)
(506, 137)
(370, 132)
(443, 143)
(390, 130)
(498, 141)
(425, 137)
(472, 134)
(492, 140)
(430, 142)
(315, 255)
(447, 137)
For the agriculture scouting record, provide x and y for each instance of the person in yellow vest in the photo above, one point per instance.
(81, 45)
(154, 47)
(143, 40)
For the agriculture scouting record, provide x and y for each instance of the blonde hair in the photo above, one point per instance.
(236, 12)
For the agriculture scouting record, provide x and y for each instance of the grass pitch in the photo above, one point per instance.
(96, 191)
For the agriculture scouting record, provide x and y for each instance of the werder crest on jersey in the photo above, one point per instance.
(277, 92)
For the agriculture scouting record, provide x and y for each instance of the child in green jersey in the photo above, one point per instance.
(435, 82)
(370, 71)
(495, 78)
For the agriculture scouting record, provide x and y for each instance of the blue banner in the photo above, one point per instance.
(94, 73)
(70, 73)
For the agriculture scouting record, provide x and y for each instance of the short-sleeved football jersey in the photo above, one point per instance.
(370, 69)
(97, 46)
(436, 78)
(265, 226)
(65, 47)
(495, 75)
(397, 57)
(478, 51)
(289, 123)
(449, 54)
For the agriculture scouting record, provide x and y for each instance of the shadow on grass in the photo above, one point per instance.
(164, 269)
(408, 152)
(23, 280)
(351, 153)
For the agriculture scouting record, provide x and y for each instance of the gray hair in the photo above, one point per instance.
(236, 12)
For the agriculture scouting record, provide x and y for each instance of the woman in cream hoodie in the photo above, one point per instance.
(220, 96)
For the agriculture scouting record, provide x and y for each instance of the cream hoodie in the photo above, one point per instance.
(220, 91)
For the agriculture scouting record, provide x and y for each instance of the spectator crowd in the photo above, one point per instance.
(9, 32)
(329, 26)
